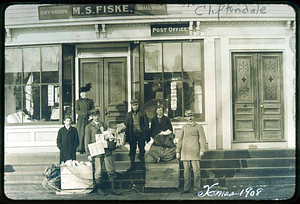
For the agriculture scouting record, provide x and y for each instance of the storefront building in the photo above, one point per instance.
(234, 65)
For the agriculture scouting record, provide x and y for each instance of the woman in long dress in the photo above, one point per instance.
(83, 107)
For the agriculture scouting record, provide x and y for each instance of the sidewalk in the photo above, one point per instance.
(267, 193)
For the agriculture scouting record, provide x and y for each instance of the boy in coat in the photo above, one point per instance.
(190, 149)
(67, 140)
(137, 127)
(97, 127)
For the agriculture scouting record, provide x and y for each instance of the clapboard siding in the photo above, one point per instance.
(28, 14)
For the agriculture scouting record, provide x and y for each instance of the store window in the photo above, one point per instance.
(174, 78)
(32, 84)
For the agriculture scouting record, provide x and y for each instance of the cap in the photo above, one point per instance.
(134, 101)
(85, 88)
(95, 112)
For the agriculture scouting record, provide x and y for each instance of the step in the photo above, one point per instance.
(136, 183)
(122, 155)
(255, 153)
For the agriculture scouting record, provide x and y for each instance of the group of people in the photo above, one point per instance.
(190, 147)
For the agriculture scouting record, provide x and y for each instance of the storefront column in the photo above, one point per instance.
(210, 92)
(289, 88)
(226, 94)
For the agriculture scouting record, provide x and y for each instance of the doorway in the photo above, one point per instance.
(257, 97)
(109, 87)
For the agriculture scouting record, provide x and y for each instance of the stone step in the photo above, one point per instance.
(205, 173)
(122, 155)
(205, 164)
(130, 183)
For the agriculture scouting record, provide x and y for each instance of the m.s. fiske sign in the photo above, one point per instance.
(94, 10)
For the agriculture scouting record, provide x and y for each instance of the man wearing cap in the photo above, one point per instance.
(97, 127)
(137, 127)
(190, 149)
(83, 107)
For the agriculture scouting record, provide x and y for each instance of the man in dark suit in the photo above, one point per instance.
(137, 126)
(163, 147)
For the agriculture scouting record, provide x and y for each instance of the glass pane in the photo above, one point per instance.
(31, 102)
(153, 61)
(68, 90)
(192, 61)
(13, 66)
(193, 97)
(50, 64)
(13, 107)
(173, 94)
(136, 93)
(68, 72)
(31, 59)
(172, 60)
(152, 91)
(68, 100)
(153, 95)
(50, 103)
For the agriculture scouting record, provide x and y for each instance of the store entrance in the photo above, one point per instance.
(257, 97)
(109, 87)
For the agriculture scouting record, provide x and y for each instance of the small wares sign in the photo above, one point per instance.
(169, 29)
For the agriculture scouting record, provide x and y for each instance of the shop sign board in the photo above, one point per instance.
(96, 10)
(169, 29)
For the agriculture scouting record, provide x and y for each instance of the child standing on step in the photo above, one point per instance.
(190, 149)
(67, 140)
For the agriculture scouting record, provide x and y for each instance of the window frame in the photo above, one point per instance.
(40, 85)
(202, 117)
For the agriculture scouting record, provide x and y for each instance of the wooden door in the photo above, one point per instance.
(270, 95)
(257, 97)
(109, 87)
(91, 71)
(115, 90)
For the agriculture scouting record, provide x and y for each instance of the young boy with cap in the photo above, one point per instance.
(137, 127)
(97, 127)
(190, 149)
(67, 140)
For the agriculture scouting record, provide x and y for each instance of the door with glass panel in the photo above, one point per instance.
(257, 97)
(109, 86)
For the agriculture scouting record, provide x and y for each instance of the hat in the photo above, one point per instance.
(95, 112)
(134, 101)
(189, 113)
(85, 88)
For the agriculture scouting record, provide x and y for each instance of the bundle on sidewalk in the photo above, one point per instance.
(71, 177)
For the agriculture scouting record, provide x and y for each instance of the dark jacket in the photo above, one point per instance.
(67, 141)
(83, 107)
(144, 125)
(157, 127)
(90, 131)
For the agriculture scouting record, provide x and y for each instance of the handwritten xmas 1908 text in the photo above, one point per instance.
(244, 192)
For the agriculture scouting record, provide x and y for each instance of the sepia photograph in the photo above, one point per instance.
(149, 102)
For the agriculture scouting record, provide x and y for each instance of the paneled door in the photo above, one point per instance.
(257, 97)
(109, 86)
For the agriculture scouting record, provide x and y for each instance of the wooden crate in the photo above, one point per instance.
(162, 174)
(76, 177)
